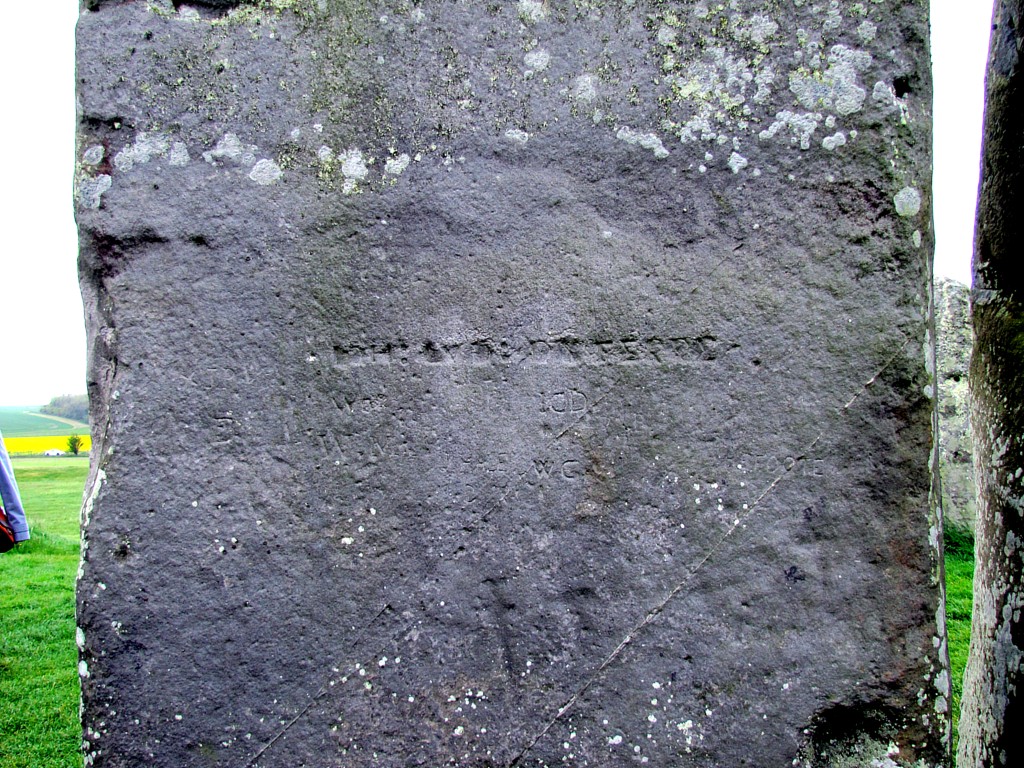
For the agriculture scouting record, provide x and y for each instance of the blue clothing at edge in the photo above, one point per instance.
(11, 497)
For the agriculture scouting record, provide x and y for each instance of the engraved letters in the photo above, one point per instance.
(570, 401)
(563, 350)
(549, 469)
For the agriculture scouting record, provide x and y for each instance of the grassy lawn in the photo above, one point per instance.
(959, 589)
(38, 660)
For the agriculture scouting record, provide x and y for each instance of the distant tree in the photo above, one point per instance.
(75, 444)
(74, 407)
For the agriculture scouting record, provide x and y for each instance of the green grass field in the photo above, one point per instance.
(18, 421)
(39, 688)
(959, 590)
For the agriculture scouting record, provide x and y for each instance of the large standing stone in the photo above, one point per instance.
(953, 343)
(993, 699)
(509, 384)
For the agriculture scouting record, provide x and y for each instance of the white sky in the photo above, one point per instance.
(43, 338)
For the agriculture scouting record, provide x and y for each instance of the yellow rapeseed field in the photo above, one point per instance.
(43, 444)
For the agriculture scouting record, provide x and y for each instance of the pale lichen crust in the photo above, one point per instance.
(730, 79)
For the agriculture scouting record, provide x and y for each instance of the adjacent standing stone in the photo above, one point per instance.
(994, 680)
(509, 384)
(953, 342)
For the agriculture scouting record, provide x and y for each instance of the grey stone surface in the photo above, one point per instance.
(993, 697)
(953, 342)
(509, 384)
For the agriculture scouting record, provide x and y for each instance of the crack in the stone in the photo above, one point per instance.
(660, 607)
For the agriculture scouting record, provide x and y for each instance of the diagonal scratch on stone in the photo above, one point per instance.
(513, 484)
(702, 283)
(317, 696)
(660, 607)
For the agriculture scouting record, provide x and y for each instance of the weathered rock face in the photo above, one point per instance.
(509, 384)
(994, 679)
(953, 342)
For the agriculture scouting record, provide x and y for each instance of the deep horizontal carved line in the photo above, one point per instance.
(565, 350)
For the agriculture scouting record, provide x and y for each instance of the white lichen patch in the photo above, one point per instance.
(867, 30)
(942, 685)
(838, 139)
(395, 166)
(908, 202)
(178, 156)
(646, 140)
(886, 99)
(266, 172)
(354, 169)
(93, 155)
(667, 35)
(691, 733)
(229, 147)
(758, 29)
(837, 88)
(145, 147)
(800, 125)
(584, 88)
(916, 238)
(517, 136)
(536, 60)
(532, 11)
(90, 191)
(353, 166)
(763, 80)
(833, 17)
(737, 162)
(325, 154)
(884, 94)
(719, 92)
(720, 78)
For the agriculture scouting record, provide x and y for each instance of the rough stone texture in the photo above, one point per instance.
(992, 709)
(509, 384)
(953, 343)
